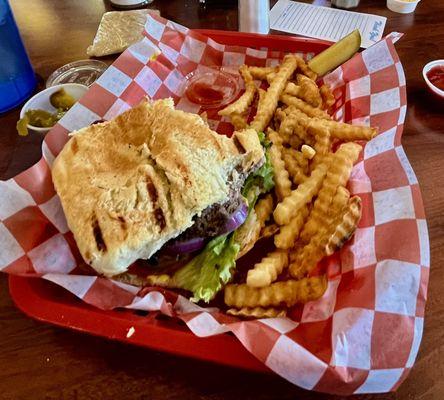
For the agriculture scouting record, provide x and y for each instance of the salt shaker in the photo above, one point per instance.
(254, 16)
(345, 3)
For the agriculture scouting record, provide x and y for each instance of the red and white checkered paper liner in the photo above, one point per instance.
(363, 335)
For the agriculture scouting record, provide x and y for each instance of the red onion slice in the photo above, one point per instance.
(236, 219)
(186, 246)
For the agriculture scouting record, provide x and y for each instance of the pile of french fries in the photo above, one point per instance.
(311, 213)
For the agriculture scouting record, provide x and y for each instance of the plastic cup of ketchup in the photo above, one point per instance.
(433, 74)
(212, 87)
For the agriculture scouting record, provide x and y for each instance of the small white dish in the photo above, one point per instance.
(432, 87)
(402, 6)
(41, 101)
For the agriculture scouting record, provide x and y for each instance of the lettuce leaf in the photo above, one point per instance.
(261, 181)
(206, 273)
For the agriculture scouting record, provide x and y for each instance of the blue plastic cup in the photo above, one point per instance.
(17, 78)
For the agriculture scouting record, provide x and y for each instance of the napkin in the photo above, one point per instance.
(118, 30)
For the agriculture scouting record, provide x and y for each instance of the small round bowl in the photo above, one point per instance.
(438, 92)
(402, 7)
(211, 87)
(41, 101)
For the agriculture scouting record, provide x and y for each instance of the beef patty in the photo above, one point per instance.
(212, 220)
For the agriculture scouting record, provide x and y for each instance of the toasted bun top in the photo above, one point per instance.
(129, 185)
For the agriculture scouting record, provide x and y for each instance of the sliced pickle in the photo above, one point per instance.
(336, 54)
(61, 99)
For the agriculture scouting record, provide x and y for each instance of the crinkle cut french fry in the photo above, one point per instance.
(329, 236)
(294, 141)
(290, 126)
(291, 205)
(242, 103)
(290, 109)
(308, 257)
(300, 158)
(268, 231)
(261, 92)
(347, 132)
(340, 168)
(280, 114)
(131, 279)
(328, 99)
(258, 312)
(261, 72)
(336, 209)
(347, 226)
(287, 125)
(309, 91)
(287, 293)
(279, 139)
(276, 120)
(271, 76)
(294, 252)
(246, 74)
(266, 108)
(289, 233)
(299, 122)
(313, 252)
(305, 69)
(264, 209)
(281, 178)
(238, 121)
(163, 280)
(274, 137)
(322, 144)
(340, 200)
(304, 107)
(292, 89)
(294, 112)
(295, 171)
(268, 269)
(248, 234)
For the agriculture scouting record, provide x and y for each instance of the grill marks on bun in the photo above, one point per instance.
(129, 185)
(98, 234)
(159, 216)
(238, 144)
(152, 191)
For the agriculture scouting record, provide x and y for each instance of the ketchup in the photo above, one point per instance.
(211, 88)
(436, 76)
(202, 93)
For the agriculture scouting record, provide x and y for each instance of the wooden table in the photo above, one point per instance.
(40, 361)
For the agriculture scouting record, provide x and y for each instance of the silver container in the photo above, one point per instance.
(345, 3)
(129, 4)
(254, 16)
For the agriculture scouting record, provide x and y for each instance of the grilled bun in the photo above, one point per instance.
(129, 185)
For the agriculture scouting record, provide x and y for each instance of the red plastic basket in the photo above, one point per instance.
(49, 303)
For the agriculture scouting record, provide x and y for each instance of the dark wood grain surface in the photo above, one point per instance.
(39, 361)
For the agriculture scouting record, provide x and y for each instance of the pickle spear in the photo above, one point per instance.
(336, 54)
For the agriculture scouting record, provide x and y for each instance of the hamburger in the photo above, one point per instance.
(155, 179)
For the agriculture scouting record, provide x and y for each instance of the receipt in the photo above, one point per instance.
(324, 22)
